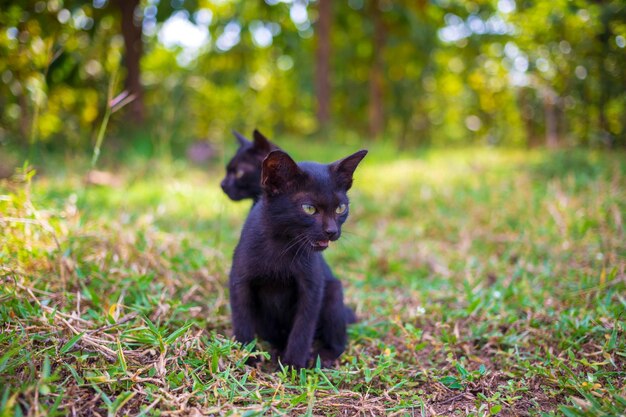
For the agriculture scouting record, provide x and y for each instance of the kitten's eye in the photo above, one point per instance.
(239, 173)
(341, 208)
(309, 209)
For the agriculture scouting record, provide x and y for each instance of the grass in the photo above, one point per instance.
(487, 282)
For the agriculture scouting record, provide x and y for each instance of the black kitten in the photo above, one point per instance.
(280, 287)
(243, 172)
(243, 179)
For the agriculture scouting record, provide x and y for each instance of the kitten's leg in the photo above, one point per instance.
(332, 325)
(301, 335)
(241, 310)
(350, 315)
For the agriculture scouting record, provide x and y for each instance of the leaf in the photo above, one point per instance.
(7, 356)
(620, 400)
(97, 379)
(603, 277)
(121, 357)
(215, 360)
(9, 402)
(325, 378)
(299, 399)
(44, 389)
(104, 397)
(451, 382)
(5, 398)
(45, 368)
(570, 411)
(495, 409)
(78, 378)
(70, 343)
(420, 346)
(151, 326)
(613, 339)
(172, 337)
(119, 402)
(462, 370)
(113, 311)
(368, 374)
(155, 331)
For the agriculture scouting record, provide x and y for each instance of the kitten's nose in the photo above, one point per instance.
(332, 232)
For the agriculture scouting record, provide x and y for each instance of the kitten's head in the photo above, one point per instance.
(307, 202)
(243, 172)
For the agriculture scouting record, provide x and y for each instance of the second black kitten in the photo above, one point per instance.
(243, 172)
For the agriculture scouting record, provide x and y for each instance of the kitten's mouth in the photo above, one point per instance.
(320, 244)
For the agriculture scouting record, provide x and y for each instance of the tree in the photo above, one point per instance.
(133, 50)
(376, 75)
(322, 62)
(575, 64)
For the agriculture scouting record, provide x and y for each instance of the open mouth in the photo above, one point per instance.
(320, 244)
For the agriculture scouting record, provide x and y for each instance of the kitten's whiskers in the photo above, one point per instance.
(295, 241)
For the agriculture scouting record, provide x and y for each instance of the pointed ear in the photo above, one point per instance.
(261, 144)
(343, 169)
(279, 173)
(240, 138)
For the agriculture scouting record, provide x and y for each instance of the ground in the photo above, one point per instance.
(487, 282)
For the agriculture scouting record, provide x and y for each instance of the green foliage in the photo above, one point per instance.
(57, 56)
(487, 281)
(454, 72)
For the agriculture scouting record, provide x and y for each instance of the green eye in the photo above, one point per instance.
(239, 173)
(309, 209)
(341, 209)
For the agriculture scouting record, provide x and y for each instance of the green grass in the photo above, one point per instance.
(487, 282)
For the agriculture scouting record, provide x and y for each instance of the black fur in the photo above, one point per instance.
(281, 289)
(243, 178)
(243, 172)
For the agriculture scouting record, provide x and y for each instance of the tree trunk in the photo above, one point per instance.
(526, 112)
(552, 136)
(376, 108)
(25, 123)
(621, 139)
(585, 117)
(322, 63)
(131, 31)
(562, 126)
(606, 87)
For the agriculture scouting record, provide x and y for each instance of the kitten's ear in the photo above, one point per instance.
(279, 173)
(344, 168)
(240, 138)
(261, 144)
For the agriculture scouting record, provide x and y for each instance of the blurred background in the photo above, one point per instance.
(169, 77)
(485, 252)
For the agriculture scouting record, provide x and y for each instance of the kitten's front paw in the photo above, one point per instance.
(328, 358)
(276, 354)
(328, 363)
(296, 363)
(253, 360)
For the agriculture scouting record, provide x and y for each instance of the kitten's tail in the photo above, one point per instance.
(349, 315)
